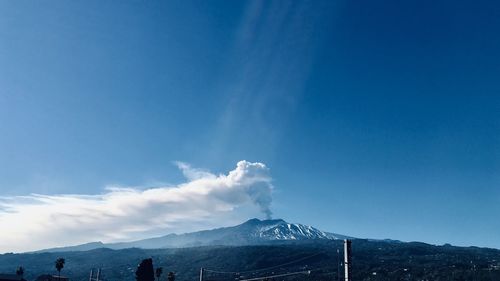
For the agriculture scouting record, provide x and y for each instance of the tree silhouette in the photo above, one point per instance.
(59, 265)
(171, 276)
(20, 271)
(158, 272)
(145, 271)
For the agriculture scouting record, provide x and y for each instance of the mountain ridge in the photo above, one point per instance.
(252, 232)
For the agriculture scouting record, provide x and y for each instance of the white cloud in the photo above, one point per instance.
(205, 200)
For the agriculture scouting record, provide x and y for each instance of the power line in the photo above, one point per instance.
(289, 274)
(263, 269)
(278, 275)
(327, 271)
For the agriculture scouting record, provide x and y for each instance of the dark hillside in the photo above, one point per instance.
(372, 260)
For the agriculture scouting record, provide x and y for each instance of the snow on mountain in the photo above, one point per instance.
(288, 231)
(282, 230)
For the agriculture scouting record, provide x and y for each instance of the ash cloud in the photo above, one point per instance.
(118, 214)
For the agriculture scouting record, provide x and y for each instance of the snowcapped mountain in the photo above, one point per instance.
(275, 230)
(251, 232)
(288, 231)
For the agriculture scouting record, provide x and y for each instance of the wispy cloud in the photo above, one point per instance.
(204, 200)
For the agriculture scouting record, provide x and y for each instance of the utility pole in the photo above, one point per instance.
(347, 260)
(338, 264)
(201, 274)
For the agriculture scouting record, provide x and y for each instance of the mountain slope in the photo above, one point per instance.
(252, 232)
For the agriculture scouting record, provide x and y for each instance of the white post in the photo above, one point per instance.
(347, 260)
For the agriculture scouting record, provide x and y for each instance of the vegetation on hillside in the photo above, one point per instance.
(372, 260)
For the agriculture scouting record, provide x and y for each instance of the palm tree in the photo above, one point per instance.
(20, 271)
(145, 271)
(158, 272)
(59, 265)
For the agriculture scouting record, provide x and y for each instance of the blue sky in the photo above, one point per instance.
(375, 119)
